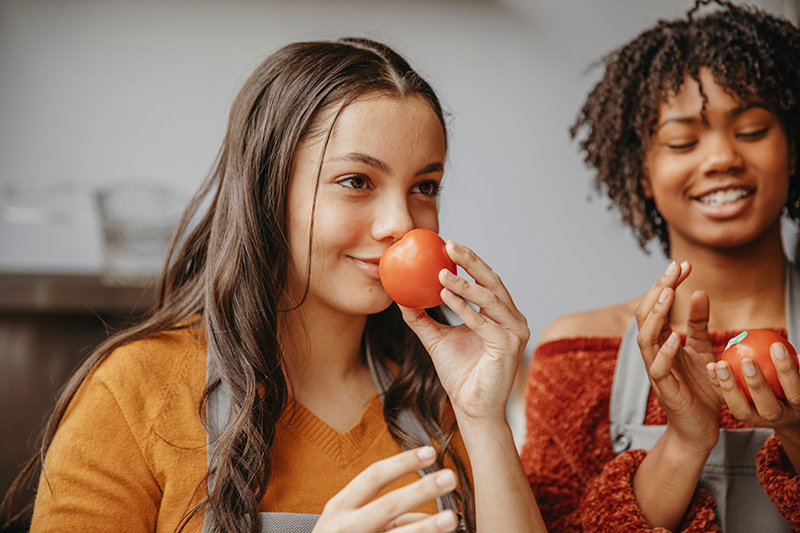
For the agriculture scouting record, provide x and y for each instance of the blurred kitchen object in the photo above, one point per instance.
(138, 216)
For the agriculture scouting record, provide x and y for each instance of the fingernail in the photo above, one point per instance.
(446, 521)
(457, 247)
(711, 369)
(446, 479)
(722, 372)
(672, 339)
(684, 265)
(426, 452)
(748, 367)
(662, 296)
(671, 268)
(779, 351)
(449, 275)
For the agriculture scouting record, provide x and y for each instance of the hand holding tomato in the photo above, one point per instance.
(477, 360)
(755, 344)
(753, 378)
(409, 269)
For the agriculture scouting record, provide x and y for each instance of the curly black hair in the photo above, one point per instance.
(747, 50)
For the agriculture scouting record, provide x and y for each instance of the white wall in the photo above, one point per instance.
(93, 90)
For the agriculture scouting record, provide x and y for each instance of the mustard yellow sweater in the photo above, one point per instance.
(130, 453)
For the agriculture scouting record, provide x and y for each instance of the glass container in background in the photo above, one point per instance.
(138, 216)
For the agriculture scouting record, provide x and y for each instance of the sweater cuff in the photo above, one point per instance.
(780, 481)
(609, 504)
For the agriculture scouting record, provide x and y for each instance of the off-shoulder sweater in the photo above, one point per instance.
(130, 452)
(580, 484)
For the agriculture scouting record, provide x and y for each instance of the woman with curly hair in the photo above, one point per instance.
(632, 424)
(275, 385)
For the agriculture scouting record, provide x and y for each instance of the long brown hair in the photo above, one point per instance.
(227, 267)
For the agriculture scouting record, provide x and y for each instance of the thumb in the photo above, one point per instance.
(697, 327)
(427, 329)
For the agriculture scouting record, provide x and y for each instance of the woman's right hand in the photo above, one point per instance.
(355, 509)
(665, 481)
(678, 373)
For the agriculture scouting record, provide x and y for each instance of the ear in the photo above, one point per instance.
(648, 191)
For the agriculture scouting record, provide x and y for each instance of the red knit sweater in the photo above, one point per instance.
(579, 482)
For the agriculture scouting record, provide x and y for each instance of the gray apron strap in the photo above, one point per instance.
(410, 424)
(218, 411)
(730, 474)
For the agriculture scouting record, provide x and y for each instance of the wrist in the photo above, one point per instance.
(471, 428)
(682, 455)
(665, 481)
(690, 449)
(789, 434)
(789, 438)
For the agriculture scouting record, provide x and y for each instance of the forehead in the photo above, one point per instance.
(403, 115)
(375, 116)
(377, 101)
(698, 97)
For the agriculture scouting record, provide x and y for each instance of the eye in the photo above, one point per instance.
(681, 146)
(753, 135)
(358, 182)
(427, 188)
(678, 137)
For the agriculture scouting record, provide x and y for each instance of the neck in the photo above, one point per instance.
(322, 359)
(745, 284)
(321, 349)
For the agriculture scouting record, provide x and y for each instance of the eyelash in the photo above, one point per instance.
(754, 135)
(683, 147)
(348, 183)
(350, 179)
(749, 136)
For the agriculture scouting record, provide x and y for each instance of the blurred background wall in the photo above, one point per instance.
(92, 91)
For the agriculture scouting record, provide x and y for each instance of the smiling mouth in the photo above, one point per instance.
(727, 196)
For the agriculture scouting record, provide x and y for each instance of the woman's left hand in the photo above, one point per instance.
(476, 361)
(766, 410)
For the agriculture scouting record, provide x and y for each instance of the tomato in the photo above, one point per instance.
(409, 269)
(755, 343)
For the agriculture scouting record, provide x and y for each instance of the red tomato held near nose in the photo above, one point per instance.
(409, 269)
(755, 343)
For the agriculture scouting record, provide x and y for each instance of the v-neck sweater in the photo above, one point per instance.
(580, 484)
(131, 448)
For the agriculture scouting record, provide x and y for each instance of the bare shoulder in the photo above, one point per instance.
(610, 321)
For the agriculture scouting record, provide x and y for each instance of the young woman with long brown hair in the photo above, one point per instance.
(275, 380)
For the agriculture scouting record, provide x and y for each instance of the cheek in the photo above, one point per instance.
(775, 164)
(666, 176)
(426, 215)
(335, 230)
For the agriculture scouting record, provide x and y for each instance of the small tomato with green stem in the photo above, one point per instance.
(755, 343)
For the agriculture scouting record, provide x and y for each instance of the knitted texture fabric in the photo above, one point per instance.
(580, 484)
(130, 452)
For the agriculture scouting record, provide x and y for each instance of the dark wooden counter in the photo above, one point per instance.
(48, 325)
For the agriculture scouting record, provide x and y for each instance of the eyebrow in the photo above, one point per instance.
(363, 158)
(430, 169)
(744, 106)
(383, 167)
(749, 105)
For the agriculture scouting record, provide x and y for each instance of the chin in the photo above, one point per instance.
(371, 305)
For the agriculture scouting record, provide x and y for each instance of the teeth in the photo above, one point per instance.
(724, 197)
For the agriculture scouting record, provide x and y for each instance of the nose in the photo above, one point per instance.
(721, 155)
(392, 219)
